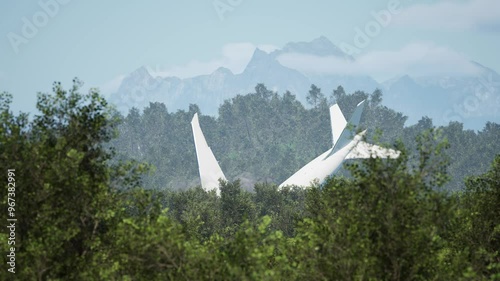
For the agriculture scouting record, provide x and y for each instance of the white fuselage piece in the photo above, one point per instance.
(345, 145)
(322, 166)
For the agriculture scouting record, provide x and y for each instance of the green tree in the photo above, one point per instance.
(386, 223)
(236, 206)
(63, 181)
(315, 96)
(478, 231)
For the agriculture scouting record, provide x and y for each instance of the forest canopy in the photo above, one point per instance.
(83, 212)
(266, 137)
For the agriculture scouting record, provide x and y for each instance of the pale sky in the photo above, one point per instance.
(100, 41)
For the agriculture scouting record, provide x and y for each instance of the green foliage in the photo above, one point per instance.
(82, 214)
(384, 224)
(285, 207)
(315, 97)
(63, 180)
(479, 222)
(255, 132)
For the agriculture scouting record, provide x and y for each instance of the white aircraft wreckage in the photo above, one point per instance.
(346, 145)
(210, 171)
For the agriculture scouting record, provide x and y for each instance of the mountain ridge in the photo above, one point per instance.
(413, 96)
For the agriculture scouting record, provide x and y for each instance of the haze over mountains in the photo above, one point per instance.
(472, 99)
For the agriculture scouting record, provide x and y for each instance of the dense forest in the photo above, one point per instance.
(79, 169)
(266, 137)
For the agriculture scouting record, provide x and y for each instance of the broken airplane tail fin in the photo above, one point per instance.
(343, 132)
(210, 171)
(337, 121)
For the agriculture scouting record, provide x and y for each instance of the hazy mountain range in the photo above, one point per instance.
(470, 99)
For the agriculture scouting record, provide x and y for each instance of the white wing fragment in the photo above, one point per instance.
(210, 171)
(365, 150)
